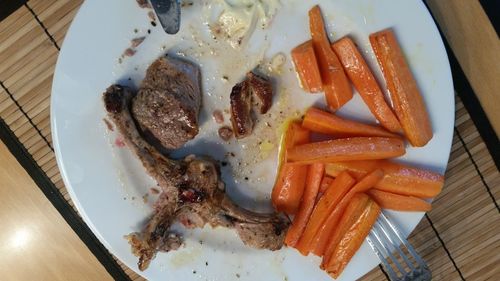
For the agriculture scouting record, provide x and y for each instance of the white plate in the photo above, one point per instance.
(107, 182)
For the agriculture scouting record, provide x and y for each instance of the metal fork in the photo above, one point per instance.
(385, 238)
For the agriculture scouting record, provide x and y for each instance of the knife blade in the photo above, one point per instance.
(169, 14)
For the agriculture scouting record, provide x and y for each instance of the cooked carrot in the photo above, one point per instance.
(352, 239)
(306, 66)
(363, 80)
(398, 202)
(352, 213)
(324, 122)
(339, 187)
(314, 176)
(289, 188)
(398, 178)
(408, 102)
(348, 149)
(337, 89)
(291, 179)
(294, 135)
(325, 184)
(320, 241)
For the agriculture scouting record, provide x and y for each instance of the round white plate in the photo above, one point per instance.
(107, 183)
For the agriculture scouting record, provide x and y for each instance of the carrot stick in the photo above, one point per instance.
(294, 135)
(352, 239)
(398, 178)
(408, 102)
(320, 241)
(363, 80)
(306, 66)
(324, 122)
(337, 89)
(398, 202)
(291, 179)
(314, 176)
(324, 207)
(289, 188)
(348, 149)
(352, 213)
(325, 184)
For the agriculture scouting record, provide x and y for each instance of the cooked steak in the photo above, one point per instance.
(167, 105)
(262, 92)
(241, 110)
(255, 91)
(192, 193)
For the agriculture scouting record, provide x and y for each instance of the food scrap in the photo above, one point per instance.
(225, 133)
(218, 116)
(152, 18)
(255, 92)
(134, 43)
(119, 142)
(143, 4)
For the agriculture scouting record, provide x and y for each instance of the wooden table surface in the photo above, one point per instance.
(38, 244)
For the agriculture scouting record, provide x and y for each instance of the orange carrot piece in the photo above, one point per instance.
(306, 66)
(294, 135)
(289, 188)
(348, 149)
(337, 89)
(314, 176)
(324, 122)
(398, 178)
(352, 239)
(325, 184)
(352, 213)
(324, 207)
(320, 241)
(291, 179)
(391, 201)
(363, 80)
(408, 102)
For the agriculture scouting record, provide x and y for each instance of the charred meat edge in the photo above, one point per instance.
(262, 92)
(241, 110)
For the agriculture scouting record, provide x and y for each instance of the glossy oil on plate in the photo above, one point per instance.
(111, 189)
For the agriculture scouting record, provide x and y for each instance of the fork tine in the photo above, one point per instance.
(393, 237)
(379, 251)
(403, 240)
(386, 242)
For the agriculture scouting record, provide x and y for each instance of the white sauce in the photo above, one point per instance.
(239, 19)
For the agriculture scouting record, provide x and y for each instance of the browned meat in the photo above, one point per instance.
(225, 133)
(241, 110)
(255, 91)
(192, 193)
(262, 92)
(143, 3)
(218, 116)
(167, 105)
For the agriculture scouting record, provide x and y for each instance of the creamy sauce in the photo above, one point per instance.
(239, 18)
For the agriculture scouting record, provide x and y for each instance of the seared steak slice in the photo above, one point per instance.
(117, 101)
(262, 92)
(255, 91)
(241, 110)
(192, 193)
(169, 101)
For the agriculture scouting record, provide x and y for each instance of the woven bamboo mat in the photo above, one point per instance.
(459, 238)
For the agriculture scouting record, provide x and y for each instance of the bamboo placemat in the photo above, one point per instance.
(459, 238)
